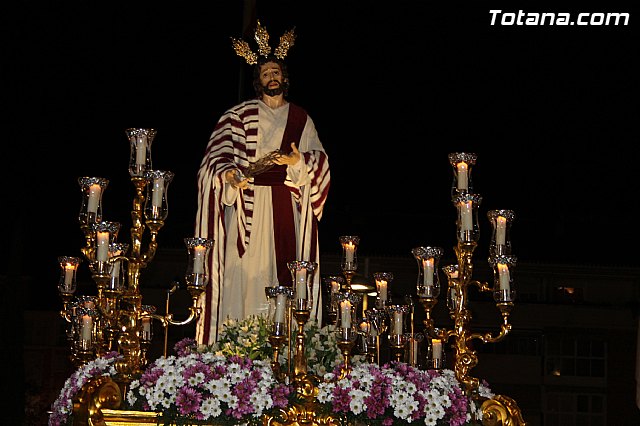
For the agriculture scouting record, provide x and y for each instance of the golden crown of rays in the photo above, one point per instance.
(261, 37)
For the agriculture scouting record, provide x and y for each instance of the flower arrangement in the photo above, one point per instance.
(250, 338)
(232, 383)
(206, 386)
(398, 393)
(62, 407)
(321, 349)
(247, 338)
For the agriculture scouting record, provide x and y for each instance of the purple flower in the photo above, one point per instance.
(185, 346)
(341, 400)
(188, 400)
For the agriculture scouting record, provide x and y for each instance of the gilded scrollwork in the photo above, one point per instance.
(501, 411)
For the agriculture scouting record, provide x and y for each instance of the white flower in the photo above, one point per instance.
(210, 408)
(63, 405)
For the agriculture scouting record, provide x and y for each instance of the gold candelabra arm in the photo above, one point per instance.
(65, 313)
(167, 318)
(465, 361)
(89, 250)
(277, 341)
(490, 338)
(482, 286)
(154, 226)
(300, 361)
(138, 258)
(348, 274)
(428, 303)
(137, 227)
(505, 328)
(464, 253)
(164, 319)
(194, 313)
(346, 346)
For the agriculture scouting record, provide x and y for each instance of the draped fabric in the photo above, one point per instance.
(230, 217)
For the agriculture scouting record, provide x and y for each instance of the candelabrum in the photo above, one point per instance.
(115, 318)
(302, 272)
(459, 277)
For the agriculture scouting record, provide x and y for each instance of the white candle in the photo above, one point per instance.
(428, 271)
(345, 314)
(146, 328)
(281, 304)
(503, 274)
(463, 178)
(349, 252)
(94, 196)
(115, 272)
(364, 327)
(103, 246)
(397, 322)
(466, 218)
(69, 268)
(157, 191)
(382, 290)
(414, 351)
(141, 151)
(87, 327)
(501, 227)
(198, 259)
(301, 283)
(335, 287)
(436, 349)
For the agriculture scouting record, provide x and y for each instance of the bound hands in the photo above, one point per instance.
(288, 159)
(235, 178)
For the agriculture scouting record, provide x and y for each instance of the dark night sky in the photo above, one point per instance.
(392, 87)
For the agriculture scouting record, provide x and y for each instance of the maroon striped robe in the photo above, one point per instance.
(233, 145)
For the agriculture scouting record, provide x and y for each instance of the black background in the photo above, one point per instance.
(393, 88)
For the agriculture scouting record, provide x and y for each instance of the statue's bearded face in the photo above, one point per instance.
(271, 79)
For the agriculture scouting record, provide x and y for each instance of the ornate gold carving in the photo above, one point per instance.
(242, 49)
(96, 394)
(307, 414)
(501, 411)
(261, 37)
(286, 42)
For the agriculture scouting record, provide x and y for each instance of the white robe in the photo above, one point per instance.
(242, 290)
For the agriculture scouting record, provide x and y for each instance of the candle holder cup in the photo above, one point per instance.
(383, 293)
(349, 260)
(468, 230)
(503, 286)
(91, 204)
(428, 283)
(302, 276)
(462, 163)
(140, 153)
(156, 207)
(501, 221)
(197, 273)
